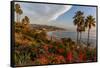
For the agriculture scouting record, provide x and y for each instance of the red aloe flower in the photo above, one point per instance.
(59, 59)
(45, 47)
(82, 56)
(69, 57)
(60, 50)
(50, 46)
(43, 60)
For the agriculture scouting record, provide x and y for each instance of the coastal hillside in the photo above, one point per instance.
(46, 27)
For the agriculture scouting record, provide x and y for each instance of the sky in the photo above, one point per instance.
(56, 15)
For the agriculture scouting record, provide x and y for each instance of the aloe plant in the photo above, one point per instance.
(22, 58)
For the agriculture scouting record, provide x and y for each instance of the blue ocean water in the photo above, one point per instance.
(73, 35)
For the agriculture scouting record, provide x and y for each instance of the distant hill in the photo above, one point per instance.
(47, 27)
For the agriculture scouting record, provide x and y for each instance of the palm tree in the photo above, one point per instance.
(27, 19)
(78, 21)
(89, 23)
(17, 10)
(81, 27)
(25, 23)
(20, 12)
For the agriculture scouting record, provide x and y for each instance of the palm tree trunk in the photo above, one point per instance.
(17, 18)
(77, 36)
(80, 36)
(88, 37)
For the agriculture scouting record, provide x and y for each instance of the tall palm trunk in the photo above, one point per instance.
(88, 37)
(77, 36)
(80, 36)
(17, 17)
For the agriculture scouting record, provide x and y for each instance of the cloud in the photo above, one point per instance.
(44, 12)
(60, 10)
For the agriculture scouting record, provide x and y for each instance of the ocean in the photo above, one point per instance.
(73, 36)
